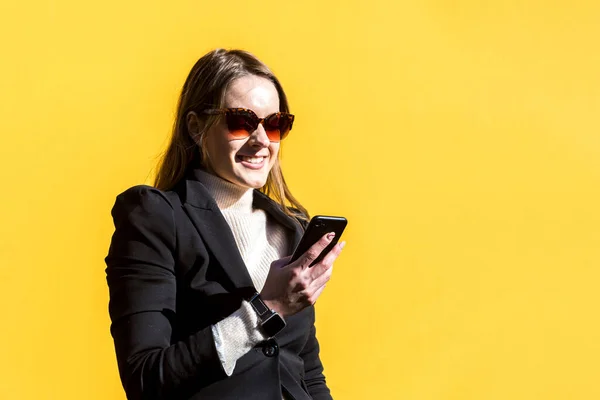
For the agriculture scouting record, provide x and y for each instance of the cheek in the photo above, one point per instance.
(232, 148)
(220, 149)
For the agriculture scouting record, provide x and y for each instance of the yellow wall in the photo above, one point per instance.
(460, 138)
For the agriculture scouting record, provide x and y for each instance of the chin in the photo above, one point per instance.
(252, 182)
(257, 184)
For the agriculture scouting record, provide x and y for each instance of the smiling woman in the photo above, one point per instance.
(204, 301)
(218, 80)
(244, 162)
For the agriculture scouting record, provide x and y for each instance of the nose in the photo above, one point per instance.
(259, 138)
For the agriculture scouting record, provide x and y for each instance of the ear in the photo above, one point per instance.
(193, 124)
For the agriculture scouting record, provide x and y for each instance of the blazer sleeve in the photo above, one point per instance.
(142, 287)
(313, 368)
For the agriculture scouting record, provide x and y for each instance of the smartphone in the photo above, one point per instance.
(318, 226)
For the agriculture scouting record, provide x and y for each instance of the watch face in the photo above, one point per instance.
(273, 325)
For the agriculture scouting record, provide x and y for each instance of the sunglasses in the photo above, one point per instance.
(241, 122)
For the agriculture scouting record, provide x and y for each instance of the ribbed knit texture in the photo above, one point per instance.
(260, 241)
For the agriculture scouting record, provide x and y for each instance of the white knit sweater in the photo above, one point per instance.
(260, 241)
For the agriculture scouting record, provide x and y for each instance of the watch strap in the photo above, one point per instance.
(259, 306)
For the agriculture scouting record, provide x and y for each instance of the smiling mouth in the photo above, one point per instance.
(251, 160)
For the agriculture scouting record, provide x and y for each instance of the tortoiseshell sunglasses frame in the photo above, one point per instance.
(258, 121)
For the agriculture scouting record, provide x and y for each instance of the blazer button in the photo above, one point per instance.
(270, 348)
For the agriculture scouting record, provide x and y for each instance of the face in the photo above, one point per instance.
(244, 162)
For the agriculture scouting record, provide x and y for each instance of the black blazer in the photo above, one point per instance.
(173, 269)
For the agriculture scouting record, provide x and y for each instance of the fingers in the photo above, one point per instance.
(314, 288)
(317, 294)
(295, 286)
(321, 280)
(327, 262)
(334, 253)
(315, 250)
(310, 282)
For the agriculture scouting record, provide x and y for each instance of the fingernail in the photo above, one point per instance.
(330, 236)
(342, 245)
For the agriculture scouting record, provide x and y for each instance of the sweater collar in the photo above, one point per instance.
(227, 195)
(196, 194)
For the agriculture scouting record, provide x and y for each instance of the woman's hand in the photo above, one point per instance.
(290, 288)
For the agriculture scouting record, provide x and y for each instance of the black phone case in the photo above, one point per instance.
(318, 226)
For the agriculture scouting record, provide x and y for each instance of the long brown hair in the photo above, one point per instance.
(204, 88)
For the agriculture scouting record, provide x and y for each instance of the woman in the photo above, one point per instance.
(203, 301)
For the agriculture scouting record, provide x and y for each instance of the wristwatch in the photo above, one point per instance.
(270, 321)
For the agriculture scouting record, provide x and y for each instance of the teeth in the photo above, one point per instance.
(253, 160)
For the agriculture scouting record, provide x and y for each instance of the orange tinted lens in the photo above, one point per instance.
(239, 134)
(240, 125)
(273, 135)
(285, 124)
(273, 127)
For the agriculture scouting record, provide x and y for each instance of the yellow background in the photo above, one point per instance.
(460, 138)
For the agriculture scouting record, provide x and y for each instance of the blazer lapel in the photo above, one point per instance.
(215, 232)
(206, 217)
